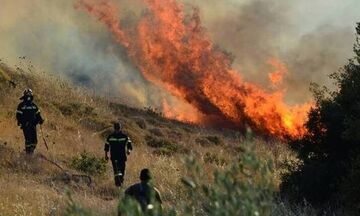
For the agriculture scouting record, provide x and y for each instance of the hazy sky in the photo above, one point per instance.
(311, 13)
(307, 14)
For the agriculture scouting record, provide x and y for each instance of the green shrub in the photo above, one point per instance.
(163, 146)
(246, 187)
(89, 164)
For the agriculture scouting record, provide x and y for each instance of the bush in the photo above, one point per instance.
(246, 187)
(163, 146)
(89, 164)
(214, 159)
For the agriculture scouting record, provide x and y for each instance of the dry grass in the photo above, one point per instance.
(76, 121)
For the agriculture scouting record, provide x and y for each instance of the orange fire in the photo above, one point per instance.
(184, 113)
(172, 50)
(276, 77)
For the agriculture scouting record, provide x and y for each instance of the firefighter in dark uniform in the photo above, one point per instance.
(119, 145)
(145, 193)
(28, 117)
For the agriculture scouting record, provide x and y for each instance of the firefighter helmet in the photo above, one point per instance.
(28, 92)
(117, 126)
(27, 95)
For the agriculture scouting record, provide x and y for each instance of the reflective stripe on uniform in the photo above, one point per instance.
(118, 174)
(117, 140)
(20, 112)
(28, 107)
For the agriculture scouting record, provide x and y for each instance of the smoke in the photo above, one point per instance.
(313, 38)
(251, 31)
(59, 38)
(315, 56)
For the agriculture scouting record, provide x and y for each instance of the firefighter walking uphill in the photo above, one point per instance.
(119, 145)
(28, 117)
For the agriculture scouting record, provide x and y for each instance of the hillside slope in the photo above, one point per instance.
(77, 122)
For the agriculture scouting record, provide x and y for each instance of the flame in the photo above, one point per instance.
(182, 112)
(276, 77)
(173, 51)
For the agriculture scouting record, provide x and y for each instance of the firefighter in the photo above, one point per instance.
(119, 145)
(28, 117)
(145, 193)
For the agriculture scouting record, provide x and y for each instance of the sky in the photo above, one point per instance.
(312, 13)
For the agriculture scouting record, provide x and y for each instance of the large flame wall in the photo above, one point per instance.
(172, 50)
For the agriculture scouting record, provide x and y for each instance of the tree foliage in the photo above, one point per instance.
(328, 151)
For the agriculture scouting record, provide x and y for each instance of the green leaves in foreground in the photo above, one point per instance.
(244, 188)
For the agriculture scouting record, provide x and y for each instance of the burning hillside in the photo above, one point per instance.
(173, 51)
